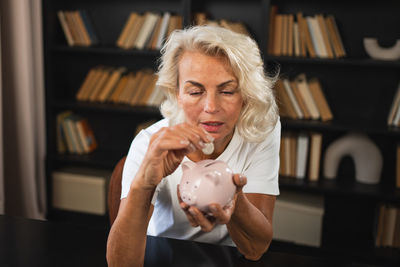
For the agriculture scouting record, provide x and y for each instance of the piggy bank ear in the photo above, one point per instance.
(188, 165)
(214, 177)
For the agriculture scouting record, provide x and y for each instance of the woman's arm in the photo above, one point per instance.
(250, 226)
(167, 147)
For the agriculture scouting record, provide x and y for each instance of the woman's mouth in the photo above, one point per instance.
(212, 126)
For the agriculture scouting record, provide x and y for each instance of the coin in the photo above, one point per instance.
(208, 148)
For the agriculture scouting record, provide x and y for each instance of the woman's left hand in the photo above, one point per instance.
(220, 215)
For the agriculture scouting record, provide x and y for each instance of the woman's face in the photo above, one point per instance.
(209, 94)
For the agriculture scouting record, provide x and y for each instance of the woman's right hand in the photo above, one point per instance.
(166, 150)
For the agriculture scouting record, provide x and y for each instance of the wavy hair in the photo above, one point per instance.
(259, 113)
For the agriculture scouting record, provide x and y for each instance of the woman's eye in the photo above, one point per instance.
(194, 93)
(228, 92)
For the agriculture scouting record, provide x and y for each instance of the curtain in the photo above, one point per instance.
(23, 109)
(1, 136)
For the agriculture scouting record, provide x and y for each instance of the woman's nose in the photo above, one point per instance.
(211, 104)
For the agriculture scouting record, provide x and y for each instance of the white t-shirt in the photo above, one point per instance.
(259, 162)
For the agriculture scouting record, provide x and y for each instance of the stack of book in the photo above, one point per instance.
(74, 134)
(77, 27)
(300, 152)
(388, 227)
(148, 30)
(394, 114)
(398, 166)
(301, 36)
(116, 85)
(302, 99)
(200, 18)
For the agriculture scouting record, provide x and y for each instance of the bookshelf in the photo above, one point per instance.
(359, 89)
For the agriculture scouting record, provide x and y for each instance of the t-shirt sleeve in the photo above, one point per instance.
(133, 160)
(263, 172)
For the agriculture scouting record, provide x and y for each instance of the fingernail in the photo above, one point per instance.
(192, 147)
(209, 137)
(184, 142)
(213, 208)
(241, 178)
(201, 143)
(192, 212)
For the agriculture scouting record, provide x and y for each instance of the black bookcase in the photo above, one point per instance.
(359, 90)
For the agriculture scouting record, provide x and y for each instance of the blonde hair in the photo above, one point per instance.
(259, 113)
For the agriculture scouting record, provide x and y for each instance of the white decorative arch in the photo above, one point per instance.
(366, 156)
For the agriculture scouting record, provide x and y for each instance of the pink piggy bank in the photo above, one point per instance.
(206, 182)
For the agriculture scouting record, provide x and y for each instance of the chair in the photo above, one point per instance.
(114, 190)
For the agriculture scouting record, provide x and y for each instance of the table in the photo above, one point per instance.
(26, 242)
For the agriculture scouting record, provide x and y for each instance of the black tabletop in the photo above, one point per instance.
(25, 242)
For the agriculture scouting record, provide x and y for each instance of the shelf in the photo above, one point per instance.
(96, 159)
(353, 62)
(334, 126)
(105, 50)
(347, 187)
(107, 107)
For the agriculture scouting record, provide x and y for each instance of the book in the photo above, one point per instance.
(398, 166)
(62, 145)
(82, 28)
(119, 88)
(149, 22)
(389, 226)
(278, 35)
(66, 28)
(287, 158)
(126, 29)
(325, 36)
(315, 156)
(304, 90)
(91, 85)
(296, 39)
(105, 75)
(284, 40)
(85, 86)
(293, 154)
(380, 225)
(110, 84)
(293, 100)
(290, 34)
(305, 36)
(300, 100)
(396, 234)
(285, 106)
(271, 28)
(133, 33)
(394, 109)
(163, 30)
(148, 89)
(151, 45)
(335, 31)
(89, 135)
(74, 29)
(302, 154)
(320, 100)
(89, 26)
(141, 87)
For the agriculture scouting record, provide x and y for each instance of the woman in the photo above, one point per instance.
(216, 92)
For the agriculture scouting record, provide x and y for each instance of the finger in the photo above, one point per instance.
(205, 224)
(221, 215)
(195, 135)
(239, 180)
(185, 207)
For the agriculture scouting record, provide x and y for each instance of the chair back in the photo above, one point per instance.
(114, 190)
